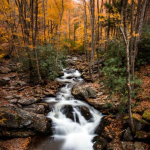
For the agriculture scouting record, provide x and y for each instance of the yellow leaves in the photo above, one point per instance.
(135, 34)
(2, 119)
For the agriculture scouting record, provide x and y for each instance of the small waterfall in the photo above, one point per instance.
(69, 124)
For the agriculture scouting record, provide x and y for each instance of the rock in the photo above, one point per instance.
(38, 90)
(13, 101)
(80, 92)
(15, 143)
(102, 83)
(127, 145)
(85, 112)
(128, 135)
(146, 114)
(46, 106)
(14, 133)
(109, 134)
(14, 68)
(26, 101)
(38, 109)
(100, 143)
(13, 76)
(4, 81)
(21, 83)
(137, 119)
(4, 70)
(113, 146)
(8, 97)
(141, 135)
(17, 96)
(16, 118)
(49, 92)
(3, 93)
(83, 92)
(138, 122)
(140, 146)
(12, 87)
(91, 92)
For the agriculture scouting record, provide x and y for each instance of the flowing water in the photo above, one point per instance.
(71, 129)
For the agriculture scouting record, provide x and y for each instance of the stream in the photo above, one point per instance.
(73, 121)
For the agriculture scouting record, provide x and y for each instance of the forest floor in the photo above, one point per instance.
(16, 86)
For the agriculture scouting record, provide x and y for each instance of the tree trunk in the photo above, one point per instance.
(58, 43)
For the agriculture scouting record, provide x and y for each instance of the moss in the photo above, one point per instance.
(136, 117)
(126, 117)
(146, 114)
(141, 134)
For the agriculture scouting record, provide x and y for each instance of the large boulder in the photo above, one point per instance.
(128, 135)
(83, 92)
(139, 123)
(16, 118)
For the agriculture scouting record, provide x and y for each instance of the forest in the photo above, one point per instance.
(71, 63)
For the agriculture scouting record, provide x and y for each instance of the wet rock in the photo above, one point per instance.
(27, 101)
(146, 114)
(80, 92)
(4, 70)
(4, 81)
(85, 112)
(68, 111)
(128, 135)
(100, 144)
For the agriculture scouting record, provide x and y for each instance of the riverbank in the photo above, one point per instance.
(17, 94)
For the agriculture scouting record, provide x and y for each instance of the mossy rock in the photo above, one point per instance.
(146, 114)
(141, 135)
(135, 117)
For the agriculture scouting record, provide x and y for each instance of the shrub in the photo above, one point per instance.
(46, 57)
(115, 67)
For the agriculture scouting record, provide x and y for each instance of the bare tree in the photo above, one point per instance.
(124, 30)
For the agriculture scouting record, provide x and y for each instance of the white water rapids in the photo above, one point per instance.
(76, 132)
